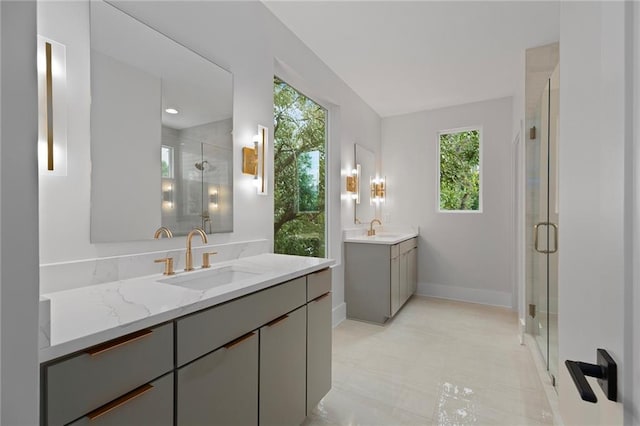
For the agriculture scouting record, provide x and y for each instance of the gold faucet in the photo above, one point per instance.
(371, 232)
(163, 230)
(189, 261)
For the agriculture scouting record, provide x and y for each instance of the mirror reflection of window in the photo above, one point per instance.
(309, 181)
(167, 162)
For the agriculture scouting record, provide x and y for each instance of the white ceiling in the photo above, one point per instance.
(407, 56)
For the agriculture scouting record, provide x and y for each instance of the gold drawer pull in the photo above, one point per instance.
(319, 298)
(119, 402)
(277, 320)
(116, 343)
(239, 340)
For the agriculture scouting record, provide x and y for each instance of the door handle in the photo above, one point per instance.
(606, 371)
(536, 240)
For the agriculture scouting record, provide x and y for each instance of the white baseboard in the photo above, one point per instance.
(465, 294)
(339, 314)
(523, 329)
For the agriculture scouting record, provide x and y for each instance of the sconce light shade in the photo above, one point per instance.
(263, 139)
(52, 109)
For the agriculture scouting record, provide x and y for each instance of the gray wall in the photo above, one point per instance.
(18, 215)
(246, 39)
(464, 256)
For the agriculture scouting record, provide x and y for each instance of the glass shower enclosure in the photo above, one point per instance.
(542, 215)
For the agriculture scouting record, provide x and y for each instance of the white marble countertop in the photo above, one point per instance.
(83, 317)
(389, 238)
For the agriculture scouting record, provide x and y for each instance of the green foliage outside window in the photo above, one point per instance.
(299, 173)
(460, 170)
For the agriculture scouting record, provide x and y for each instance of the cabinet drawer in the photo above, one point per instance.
(395, 250)
(78, 385)
(318, 284)
(405, 246)
(149, 405)
(200, 333)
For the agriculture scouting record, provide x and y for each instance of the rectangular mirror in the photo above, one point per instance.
(365, 209)
(161, 133)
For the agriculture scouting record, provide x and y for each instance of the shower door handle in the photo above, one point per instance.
(536, 240)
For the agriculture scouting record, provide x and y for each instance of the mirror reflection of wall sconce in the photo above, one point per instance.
(254, 159)
(167, 195)
(353, 184)
(378, 190)
(213, 198)
(52, 109)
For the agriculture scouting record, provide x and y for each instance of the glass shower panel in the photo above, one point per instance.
(542, 220)
(217, 188)
(536, 215)
(553, 216)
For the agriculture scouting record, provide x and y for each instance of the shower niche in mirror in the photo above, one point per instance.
(365, 209)
(161, 133)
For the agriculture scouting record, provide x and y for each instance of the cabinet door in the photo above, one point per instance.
(221, 388)
(318, 350)
(150, 405)
(395, 285)
(404, 278)
(283, 356)
(413, 271)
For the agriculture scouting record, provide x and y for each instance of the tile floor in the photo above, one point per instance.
(438, 362)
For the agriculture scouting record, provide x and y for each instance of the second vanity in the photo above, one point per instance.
(253, 346)
(380, 274)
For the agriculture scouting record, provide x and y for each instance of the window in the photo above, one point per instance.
(299, 173)
(459, 170)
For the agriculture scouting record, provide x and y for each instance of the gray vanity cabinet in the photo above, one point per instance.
(318, 350)
(220, 388)
(379, 278)
(241, 362)
(283, 370)
(149, 405)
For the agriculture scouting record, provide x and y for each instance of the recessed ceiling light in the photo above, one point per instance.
(171, 111)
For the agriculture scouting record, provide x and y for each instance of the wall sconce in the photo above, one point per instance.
(254, 159)
(52, 109)
(378, 190)
(352, 184)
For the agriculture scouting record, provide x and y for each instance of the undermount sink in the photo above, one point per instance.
(386, 235)
(204, 280)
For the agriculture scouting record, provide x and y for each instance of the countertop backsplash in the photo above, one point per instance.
(81, 273)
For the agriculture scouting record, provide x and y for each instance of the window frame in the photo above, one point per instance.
(480, 168)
